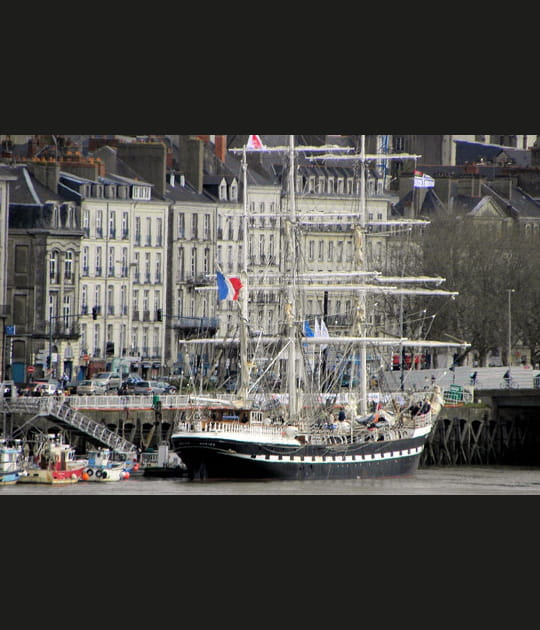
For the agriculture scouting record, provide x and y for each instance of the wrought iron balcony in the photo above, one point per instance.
(195, 326)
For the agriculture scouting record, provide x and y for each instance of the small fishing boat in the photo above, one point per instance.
(11, 461)
(162, 463)
(54, 462)
(101, 467)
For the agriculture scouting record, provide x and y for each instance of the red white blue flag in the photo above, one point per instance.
(228, 288)
(254, 143)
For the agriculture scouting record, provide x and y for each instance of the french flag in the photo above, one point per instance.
(254, 143)
(228, 288)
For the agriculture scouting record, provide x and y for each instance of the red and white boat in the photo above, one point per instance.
(54, 463)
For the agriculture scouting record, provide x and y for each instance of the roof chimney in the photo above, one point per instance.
(221, 147)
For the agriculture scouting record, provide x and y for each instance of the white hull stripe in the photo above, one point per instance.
(328, 459)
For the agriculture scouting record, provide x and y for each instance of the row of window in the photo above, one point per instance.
(200, 226)
(329, 185)
(57, 260)
(141, 300)
(146, 268)
(115, 191)
(142, 340)
(152, 226)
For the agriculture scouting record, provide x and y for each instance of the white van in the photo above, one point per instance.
(107, 381)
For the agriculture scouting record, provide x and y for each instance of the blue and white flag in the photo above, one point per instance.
(422, 180)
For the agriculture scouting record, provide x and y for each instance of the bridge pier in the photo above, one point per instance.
(504, 431)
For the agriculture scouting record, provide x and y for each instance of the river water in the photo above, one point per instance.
(459, 480)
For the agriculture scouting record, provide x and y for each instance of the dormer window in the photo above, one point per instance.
(234, 191)
(110, 192)
(97, 190)
(223, 190)
(140, 192)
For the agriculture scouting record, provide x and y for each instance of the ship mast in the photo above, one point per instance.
(290, 307)
(244, 297)
(360, 264)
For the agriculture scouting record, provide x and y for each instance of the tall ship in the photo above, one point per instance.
(316, 426)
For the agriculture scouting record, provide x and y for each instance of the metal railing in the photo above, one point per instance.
(58, 408)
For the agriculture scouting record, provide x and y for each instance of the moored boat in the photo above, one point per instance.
(101, 467)
(11, 461)
(54, 462)
(299, 437)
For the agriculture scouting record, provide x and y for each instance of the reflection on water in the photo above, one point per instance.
(429, 481)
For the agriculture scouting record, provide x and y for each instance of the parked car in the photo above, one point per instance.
(142, 388)
(166, 388)
(128, 385)
(86, 388)
(107, 381)
(46, 388)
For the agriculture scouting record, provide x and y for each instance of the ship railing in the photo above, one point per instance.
(422, 420)
(149, 459)
(230, 427)
(168, 401)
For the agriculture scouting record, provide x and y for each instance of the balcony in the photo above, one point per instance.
(64, 330)
(195, 326)
(199, 279)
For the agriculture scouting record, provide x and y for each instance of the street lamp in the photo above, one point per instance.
(510, 291)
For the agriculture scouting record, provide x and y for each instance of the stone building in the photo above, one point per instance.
(43, 272)
(6, 178)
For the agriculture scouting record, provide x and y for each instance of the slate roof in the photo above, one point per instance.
(518, 157)
(430, 205)
(186, 193)
(469, 152)
(27, 190)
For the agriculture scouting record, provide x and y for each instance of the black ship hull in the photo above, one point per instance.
(229, 459)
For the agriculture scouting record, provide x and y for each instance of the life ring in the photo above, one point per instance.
(98, 473)
(90, 472)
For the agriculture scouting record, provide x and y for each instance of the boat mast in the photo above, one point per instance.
(290, 308)
(244, 297)
(359, 258)
(363, 215)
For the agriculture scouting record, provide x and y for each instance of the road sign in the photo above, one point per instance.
(30, 369)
